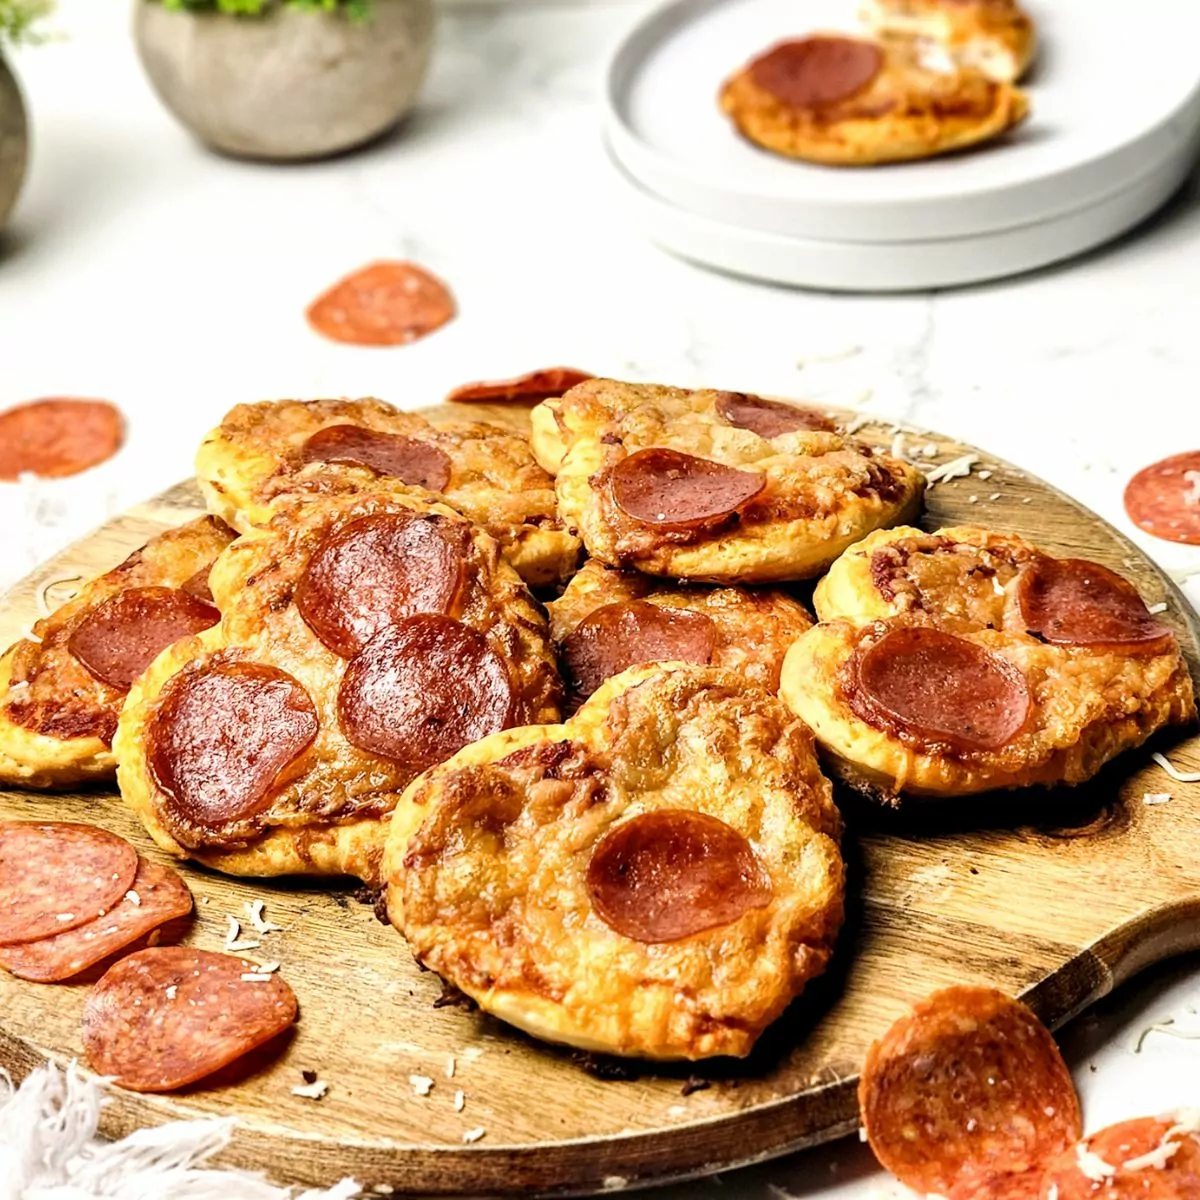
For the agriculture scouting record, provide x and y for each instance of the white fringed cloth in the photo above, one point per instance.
(49, 1151)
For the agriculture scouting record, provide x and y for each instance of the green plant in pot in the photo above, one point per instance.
(285, 79)
(19, 21)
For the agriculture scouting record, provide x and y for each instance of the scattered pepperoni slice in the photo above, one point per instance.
(815, 72)
(422, 690)
(531, 388)
(1128, 1162)
(374, 572)
(412, 461)
(384, 304)
(971, 1085)
(1164, 499)
(58, 436)
(671, 874)
(223, 735)
(1073, 602)
(941, 688)
(120, 638)
(162, 896)
(770, 418)
(165, 1017)
(621, 635)
(666, 487)
(57, 876)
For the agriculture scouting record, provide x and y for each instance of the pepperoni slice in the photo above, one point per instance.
(941, 688)
(120, 638)
(1073, 602)
(770, 418)
(971, 1085)
(223, 735)
(422, 690)
(671, 874)
(817, 71)
(165, 1017)
(617, 636)
(374, 572)
(384, 304)
(412, 461)
(162, 896)
(666, 487)
(1151, 1158)
(55, 877)
(1164, 499)
(531, 388)
(58, 436)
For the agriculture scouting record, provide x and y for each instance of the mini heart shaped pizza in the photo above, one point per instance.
(846, 101)
(62, 686)
(363, 638)
(659, 877)
(714, 487)
(261, 452)
(962, 661)
(608, 620)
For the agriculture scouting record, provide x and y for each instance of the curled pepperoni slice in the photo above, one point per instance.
(58, 436)
(165, 1017)
(422, 690)
(1164, 499)
(1150, 1158)
(55, 877)
(531, 388)
(374, 572)
(817, 71)
(770, 418)
(161, 896)
(118, 640)
(666, 487)
(941, 688)
(666, 875)
(412, 461)
(969, 1086)
(223, 735)
(384, 304)
(622, 635)
(1073, 602)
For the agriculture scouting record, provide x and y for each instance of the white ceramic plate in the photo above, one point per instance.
(899, 266)
(1115, 94)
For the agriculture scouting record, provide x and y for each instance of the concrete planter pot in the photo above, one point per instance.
(290, 84)
(14, 141)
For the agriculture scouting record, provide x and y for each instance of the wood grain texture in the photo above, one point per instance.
(1056, 895)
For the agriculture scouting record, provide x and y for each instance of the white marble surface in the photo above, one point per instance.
(143, 269)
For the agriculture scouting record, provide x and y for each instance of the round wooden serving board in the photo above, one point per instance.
(1057, 896)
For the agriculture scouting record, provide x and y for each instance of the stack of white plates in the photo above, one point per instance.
(1115, 130)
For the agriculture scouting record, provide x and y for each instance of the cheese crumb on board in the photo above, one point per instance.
(254, 911)
(311, 1091)
(473, 1135)
(450, 1065)
(1157, 798)
(460, 1101)
(422, 1085)
(957, 468)
(1155, 609)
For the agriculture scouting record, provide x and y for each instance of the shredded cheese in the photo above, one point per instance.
(422, 1085)
(856, 424)
(30, 636)
(1157, 798)
(171, 990)
(473, 1135)
(1092, 1165)
(43, 592)
(450, 1067)
(958, 468)
(233, 937)
(311, 1091)
(1155, 609)
(1155, 1159)
(460, 1101)
(255, 977)
(254, 912)
(1165, 1026)
(1174, 772)
(133, 898)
